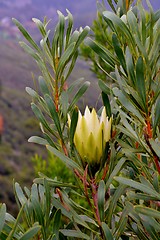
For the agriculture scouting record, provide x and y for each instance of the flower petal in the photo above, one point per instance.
(107, 129)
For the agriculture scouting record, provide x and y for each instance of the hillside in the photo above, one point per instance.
(19, 122)
(83, 11)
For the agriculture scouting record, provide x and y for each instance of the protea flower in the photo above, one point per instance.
(91, 134)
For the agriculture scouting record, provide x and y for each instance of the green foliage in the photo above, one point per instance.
(53, 167)
(122, 196)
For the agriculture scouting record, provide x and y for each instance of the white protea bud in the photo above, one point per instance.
(91, 135)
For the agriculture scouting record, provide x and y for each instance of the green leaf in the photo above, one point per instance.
(40, 117)
(39, 215)
(2, 216)
(111, 5)
(138, 186)
(32, 93)
(150, 230)
(52, 182)
(39, 140)
(101, 199)
(147, 211)
(140, 81)
(107, 105)
(83, 33)
(34, 192)
(40, 26)
(69, 28)
(118, 23)
(128, 130)
(104, 87)
(118, 51)
(53, 113)
(64, 103)
(65, 58)
(50, 139)
(102, 52)
(70, 67)
(115, 171)
(156, 146)
(31, 52)
(125, 102)
(130, 67)
(74, 37)
(71, 213)
(69, 162)
(151, 221)
(47, 205)
(14, 227)
(132, 21)
(26, 34)
(113, 204)
(121, 226)
(20, 195)
(57, 223)
(43, 86)
(157, 116)
(61, 31)
(74, 234)
(145, 197)
(73, 125)
(79, 93)
(107, 232)
(77, 83)
(29, 234)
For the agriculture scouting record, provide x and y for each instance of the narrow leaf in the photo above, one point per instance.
(31, 92)
(69, 162)
(138, 186)
(74, 234)
(102, 52)
(40, 116)
(43, 86)
(107, 232)
(57, 222)
(73, 125)
(25, 34)
(157, 116)
(156, 146)
(2, 216)
(39, 140)
(107, 105)
(79, 93)
(30, 233)
(53, 113)
(140, 81)
(101, 199)
(147, 211)
(69, 28)
(119, 51)
(104, 87)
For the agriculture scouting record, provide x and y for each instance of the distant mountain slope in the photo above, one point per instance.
(83, 11)
(24, 10)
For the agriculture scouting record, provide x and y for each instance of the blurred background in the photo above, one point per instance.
(17, 122)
